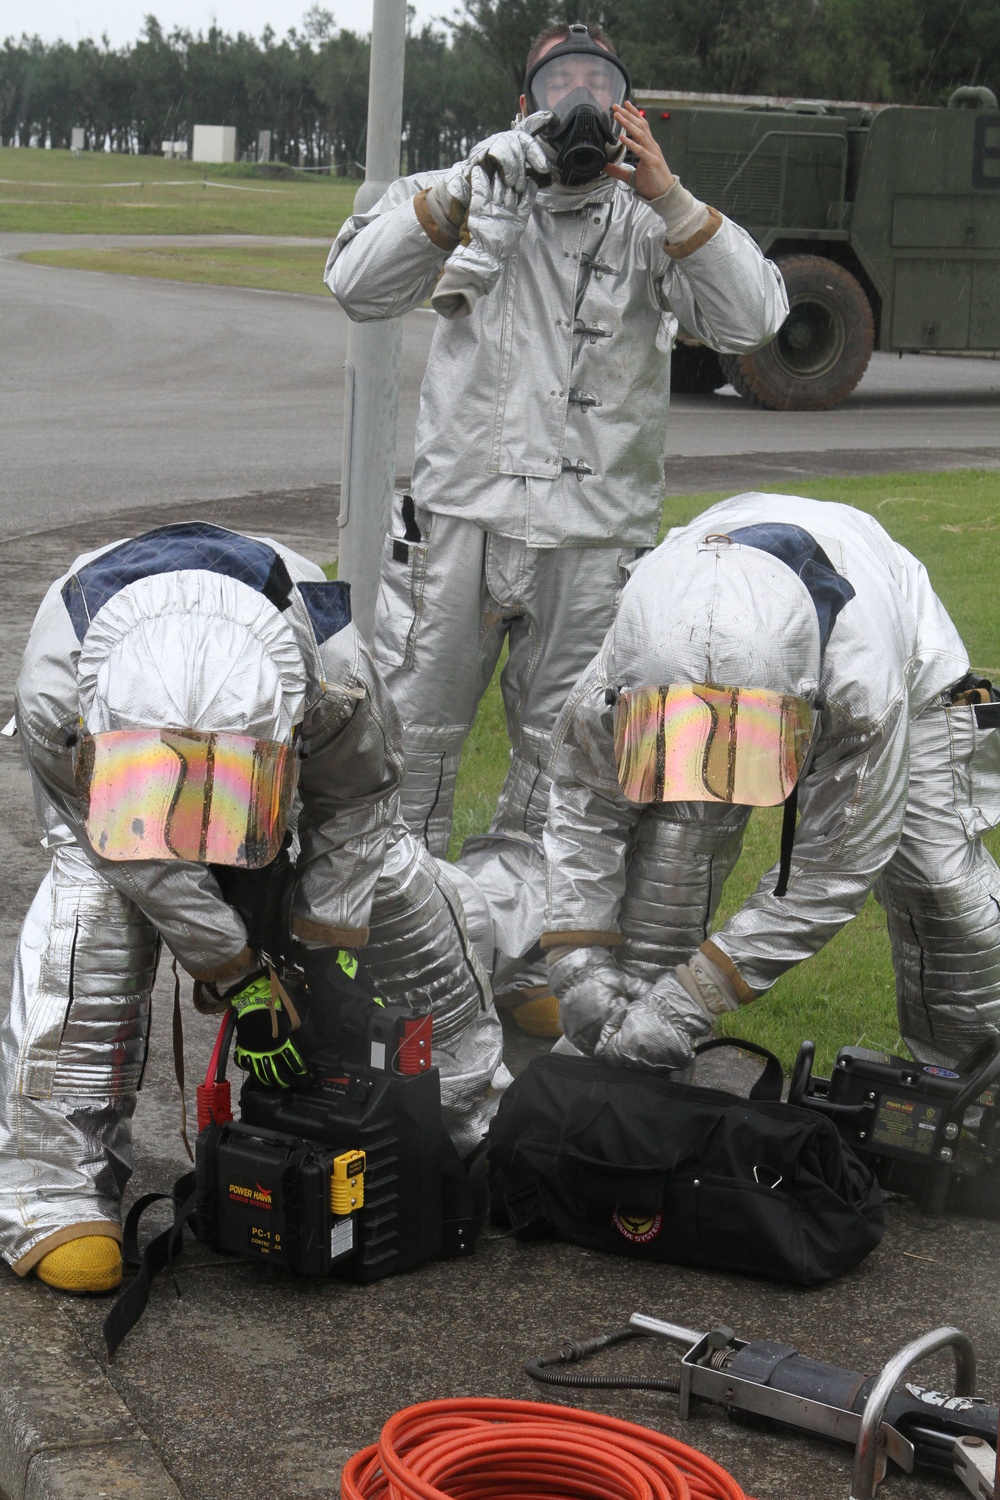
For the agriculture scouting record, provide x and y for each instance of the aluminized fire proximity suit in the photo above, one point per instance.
(900, 785)
(197, 626)
(538, 474)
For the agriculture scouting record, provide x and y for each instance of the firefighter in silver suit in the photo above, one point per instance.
(538, 474)
(776, 649)
(188, 697)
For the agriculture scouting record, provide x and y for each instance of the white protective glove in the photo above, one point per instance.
(511, 153)
(660, 1030)
(514, 153)
(497, 216)
(592, 991)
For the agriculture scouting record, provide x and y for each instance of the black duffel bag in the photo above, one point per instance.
(637, 1164)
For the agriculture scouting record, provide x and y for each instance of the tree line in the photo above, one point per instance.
(310, 87)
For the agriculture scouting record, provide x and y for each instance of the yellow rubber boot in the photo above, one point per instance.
(539, 1017)
(93, 1263)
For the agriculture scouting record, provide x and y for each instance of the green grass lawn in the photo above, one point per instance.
(273, 267)
(108, 193)
(846, 993)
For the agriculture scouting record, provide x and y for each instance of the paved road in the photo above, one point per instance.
(123, 391)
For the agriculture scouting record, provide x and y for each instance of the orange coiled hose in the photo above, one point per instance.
(480, 1449)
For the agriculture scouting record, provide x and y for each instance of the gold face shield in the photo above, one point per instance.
(697, 742)
(182, 794)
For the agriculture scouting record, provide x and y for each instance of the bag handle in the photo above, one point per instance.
(769, 1085)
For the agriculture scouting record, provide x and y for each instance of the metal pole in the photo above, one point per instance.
(371, 397)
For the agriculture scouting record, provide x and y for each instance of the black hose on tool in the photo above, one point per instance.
(540, 1368)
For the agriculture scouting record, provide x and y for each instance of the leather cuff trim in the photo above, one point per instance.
(312, 931)
(29, 1260)
(741, 989)
(695, 241)
(578, 939)
(430, 225)
(231, 970)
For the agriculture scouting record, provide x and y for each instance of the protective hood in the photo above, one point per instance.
(191, 684)
(721, 663)
(715, 611)
(578, 82)
(193, 650)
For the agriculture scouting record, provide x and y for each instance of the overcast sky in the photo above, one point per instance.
(70, 20)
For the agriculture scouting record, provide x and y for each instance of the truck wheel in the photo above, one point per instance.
(695, 370)
(821, 350)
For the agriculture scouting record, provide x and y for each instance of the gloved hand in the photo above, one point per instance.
(660, 1030)
(514, 153)
(592, 992)
(448, 201)
(263, 1034)
(497, 216)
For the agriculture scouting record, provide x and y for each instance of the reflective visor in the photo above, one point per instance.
(180, 794)
(693, 742)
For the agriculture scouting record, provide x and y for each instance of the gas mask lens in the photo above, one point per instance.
(181, 794)
(579, 82)
(696, 742)
(563, 83)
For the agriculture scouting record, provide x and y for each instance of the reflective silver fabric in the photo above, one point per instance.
(507, 870)
(680, 859)
(72, 1052)
(562, 372)
(941, 889)
(892, 653)
(445, 607)
(350, 764)
(420, 952)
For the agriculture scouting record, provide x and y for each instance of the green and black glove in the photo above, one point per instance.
(264, 1045)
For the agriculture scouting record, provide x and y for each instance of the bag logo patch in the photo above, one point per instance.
(639, 1230)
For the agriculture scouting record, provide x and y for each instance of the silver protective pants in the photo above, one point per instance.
(941, 889)
(72, 1053)
(73, 1045)
(446, 604)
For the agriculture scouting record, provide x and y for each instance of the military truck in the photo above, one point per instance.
(885, 221)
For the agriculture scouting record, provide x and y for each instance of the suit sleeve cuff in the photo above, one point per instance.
(700, 237)
(580, 938)
(442, 238)
(722, 961)
(326, 935)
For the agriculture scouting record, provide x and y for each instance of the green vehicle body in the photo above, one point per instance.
(906, 201)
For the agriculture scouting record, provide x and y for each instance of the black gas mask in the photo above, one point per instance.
(579, 82)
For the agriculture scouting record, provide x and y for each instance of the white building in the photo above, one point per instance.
(214, 143)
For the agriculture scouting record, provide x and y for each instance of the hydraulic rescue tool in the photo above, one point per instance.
(771, 1382)
(929, 1131)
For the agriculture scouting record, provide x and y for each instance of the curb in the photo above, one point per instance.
(65, 1433)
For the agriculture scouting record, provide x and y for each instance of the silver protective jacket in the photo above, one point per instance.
(616, 869)
(543, 414)
(348, 776)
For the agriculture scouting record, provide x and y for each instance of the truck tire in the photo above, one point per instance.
(695, 370)
(821, 350)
